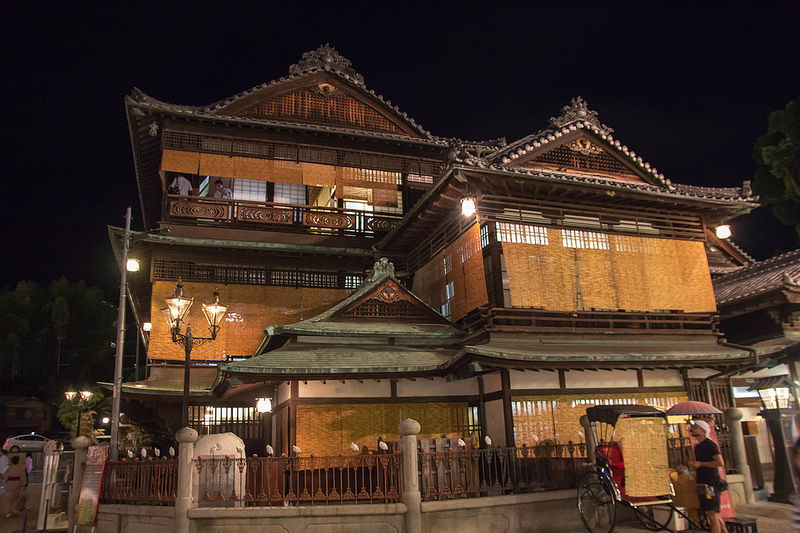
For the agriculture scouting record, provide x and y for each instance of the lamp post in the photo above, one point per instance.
(776, 396)
(83, 399)
(175, 314)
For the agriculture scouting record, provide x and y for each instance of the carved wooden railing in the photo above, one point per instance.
(280, 481)
(539, 320)
(151, 482)
(283, 217)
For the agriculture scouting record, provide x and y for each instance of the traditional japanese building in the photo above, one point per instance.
(360, 291)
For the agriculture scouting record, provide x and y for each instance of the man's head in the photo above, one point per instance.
(218, 185)
(700, 429)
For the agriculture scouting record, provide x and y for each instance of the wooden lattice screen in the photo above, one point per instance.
(304, 104)
(563, 156)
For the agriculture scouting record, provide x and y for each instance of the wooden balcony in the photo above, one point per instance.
(278, 217)
(632, 322)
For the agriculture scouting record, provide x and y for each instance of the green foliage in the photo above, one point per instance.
(68, 412)
(52, 337)
(777, 179)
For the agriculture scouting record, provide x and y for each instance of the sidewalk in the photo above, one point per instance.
(14, 524)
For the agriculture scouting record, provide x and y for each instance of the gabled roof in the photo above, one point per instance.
(323, 71)
(780, 273)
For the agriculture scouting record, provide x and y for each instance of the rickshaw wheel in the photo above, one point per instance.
(596, 503)
(647, 516)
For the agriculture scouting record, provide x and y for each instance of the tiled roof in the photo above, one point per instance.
(778, 273)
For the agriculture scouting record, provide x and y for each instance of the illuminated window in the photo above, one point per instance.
(289, 193)
(252, 190)
(571, 238)
(521, 233)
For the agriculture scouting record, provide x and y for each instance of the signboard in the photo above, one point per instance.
(90, 489)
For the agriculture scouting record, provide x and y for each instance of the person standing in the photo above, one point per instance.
(3, 466)
(221, 191)
(28, 463)
(707, 462)
(16, 485)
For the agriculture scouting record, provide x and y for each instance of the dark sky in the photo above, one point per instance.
(687, 85)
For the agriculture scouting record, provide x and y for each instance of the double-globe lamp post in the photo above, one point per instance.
(175, 313)
(83, 399)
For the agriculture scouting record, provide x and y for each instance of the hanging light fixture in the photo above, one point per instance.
(214, 313)
(723, 232)
(263, 405)
(468, 206)
(132, 265)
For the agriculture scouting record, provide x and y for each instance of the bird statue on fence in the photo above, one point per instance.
(215, 448)
(171, 451)
(270, 451)
(240, 450)
(580, 435)
(130, 454)
(461, 443)
(487, 440)
(558, 437)
(296, 449)
(354, 447)
(157, 452)
(143, 453)
(383, 446)
(535, 438)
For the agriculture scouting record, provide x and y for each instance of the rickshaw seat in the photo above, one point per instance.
(611, 454)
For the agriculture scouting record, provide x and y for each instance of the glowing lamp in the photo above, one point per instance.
(70, 394)
(177, 307)
(468, 206)
(214, 312)
(147, 326)
(723, 232)
(132, 265)
(263, 405)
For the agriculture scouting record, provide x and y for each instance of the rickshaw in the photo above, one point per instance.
(639, 481)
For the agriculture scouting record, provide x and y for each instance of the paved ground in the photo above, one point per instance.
(771, 517)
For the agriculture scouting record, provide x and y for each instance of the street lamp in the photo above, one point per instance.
(175, 314)
(776, 394)
(83, 399)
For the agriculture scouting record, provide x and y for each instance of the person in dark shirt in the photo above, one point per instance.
(707, 462)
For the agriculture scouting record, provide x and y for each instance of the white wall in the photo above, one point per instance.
(602, 379)
(492, 382)
(495, 422)
(284, 392)
(348, 389)
(662, 378)
(533, 380)
(439, 387)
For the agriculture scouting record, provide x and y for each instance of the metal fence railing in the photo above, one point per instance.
(151, 482)
(496, 471)
(280, 481)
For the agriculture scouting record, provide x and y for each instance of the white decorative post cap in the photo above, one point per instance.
(409, 427)
(186, 435)
(81, 443)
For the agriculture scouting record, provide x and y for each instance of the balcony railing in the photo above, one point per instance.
(539, 320)
(280, 217)
(152, 482)
(282, 481)
(496, 471)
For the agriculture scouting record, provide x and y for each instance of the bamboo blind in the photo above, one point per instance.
(377, 187)
(460, 263)
(644, 451)
(614, 272)
(250, 310)
(339, 109)
(544, 417)
(329, 429)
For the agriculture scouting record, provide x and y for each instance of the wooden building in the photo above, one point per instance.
(360, 293)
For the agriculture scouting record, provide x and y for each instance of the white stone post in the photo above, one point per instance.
(739, 454)
(409, 429)
(183, 500)
(81, 447)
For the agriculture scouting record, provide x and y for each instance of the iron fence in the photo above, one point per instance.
(284, 481)
(496, 471)
(151, 482)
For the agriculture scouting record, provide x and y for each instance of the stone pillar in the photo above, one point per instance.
(81, 447)
(733, 416)
(409, 429)
(183, 500)
(589, 433)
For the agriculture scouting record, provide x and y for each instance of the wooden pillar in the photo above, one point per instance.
(508, 413)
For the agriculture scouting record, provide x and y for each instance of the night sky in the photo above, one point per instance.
(686, 85)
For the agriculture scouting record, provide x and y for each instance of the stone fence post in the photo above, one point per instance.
(81, 447)
(409, 429)
(733, 416)
(183, 500)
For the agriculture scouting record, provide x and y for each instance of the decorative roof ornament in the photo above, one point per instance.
(578, 111)
(382, 267)
(326, 58)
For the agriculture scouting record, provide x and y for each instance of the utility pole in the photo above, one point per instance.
(115, 403)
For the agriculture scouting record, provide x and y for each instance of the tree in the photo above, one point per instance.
(777, 179)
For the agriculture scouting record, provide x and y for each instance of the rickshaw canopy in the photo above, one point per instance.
(609, 414)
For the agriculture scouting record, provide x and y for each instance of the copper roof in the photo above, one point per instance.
(778, 273)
